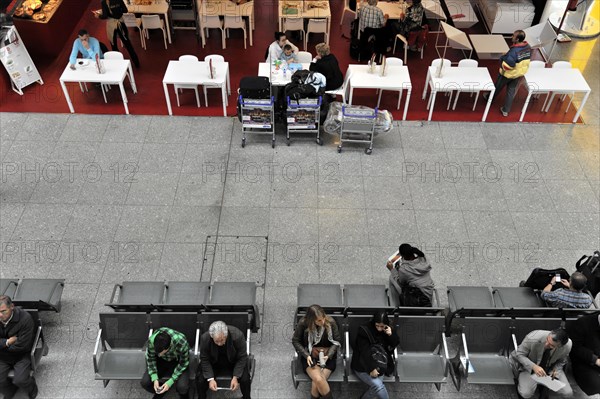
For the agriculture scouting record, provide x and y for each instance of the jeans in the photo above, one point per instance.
(511, 89)
(376, 387)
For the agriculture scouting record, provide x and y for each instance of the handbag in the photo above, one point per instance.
(377, 354)
(314, 353)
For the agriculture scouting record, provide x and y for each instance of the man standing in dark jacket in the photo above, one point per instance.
(514, 64)
(16, 340)
(585, 355)
(223, 351)
(326, 64)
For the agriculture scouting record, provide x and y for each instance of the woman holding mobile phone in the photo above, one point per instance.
(316, 333)
(112, 11)
(367, 369)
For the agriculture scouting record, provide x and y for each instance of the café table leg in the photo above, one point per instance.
(406, 101)
(124, 96)
(489, 102)
(587, 94)
(167, 98)
(250, 28)
(426, 84)
(67, 97)
(224, 97)
(433, 93)
(529, 92)
(167, 27)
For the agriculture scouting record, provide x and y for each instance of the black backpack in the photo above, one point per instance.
(300, 86)
(414, 297)
(378, 354)
(589, 266)
(539, 278)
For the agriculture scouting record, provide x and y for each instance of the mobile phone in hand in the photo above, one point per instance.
(558, 279)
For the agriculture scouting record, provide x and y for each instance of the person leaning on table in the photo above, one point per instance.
(317, 332)
(85, 45)
(543, 353)
(326, 64)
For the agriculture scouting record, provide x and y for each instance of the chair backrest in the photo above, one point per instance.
(130, 20)
(235, 22)
(368, 296)
(113, 55)
(317, 25)
(8, 287)
(524, 325)
(467, 63)
(487, 334)
(537, 64)
(214, 58)
(187, 293)
(325, 295)
(141, 293)
(304, 57)
(437, 62)
(151, 21)
(233, 293)
(468, 297)
(210, 21)
(40, 294)
(394, 61)
(293, 24)
(241, 320)
(419, 333)
(124, 330)
(562, 64)
(185, 323)
(190, 58)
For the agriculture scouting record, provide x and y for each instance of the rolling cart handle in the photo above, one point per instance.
(360, 116)
(255, 104)
(317, 105)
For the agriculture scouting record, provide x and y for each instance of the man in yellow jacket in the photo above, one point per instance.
(514, 64)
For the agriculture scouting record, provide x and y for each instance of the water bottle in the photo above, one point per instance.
(321, 359)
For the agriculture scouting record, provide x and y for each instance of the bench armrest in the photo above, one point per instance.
(96, 347)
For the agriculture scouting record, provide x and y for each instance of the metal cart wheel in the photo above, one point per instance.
(339, 148)
(368, 151)
(320, 141)
(243, 142)
(273, 143)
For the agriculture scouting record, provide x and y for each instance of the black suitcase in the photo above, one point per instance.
(590, 267)
(257, 87)
(539, 278)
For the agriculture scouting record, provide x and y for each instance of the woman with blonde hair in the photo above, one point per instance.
(315, 334)
(326, 64)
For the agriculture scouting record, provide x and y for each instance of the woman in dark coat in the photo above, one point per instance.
(315, 332)
(585, 355)
(377, 331)
(326, 64)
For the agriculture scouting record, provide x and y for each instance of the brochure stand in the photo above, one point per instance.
(16, 60)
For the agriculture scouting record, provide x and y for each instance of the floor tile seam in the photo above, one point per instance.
(14, 227)
(3, 143)
(412, 201)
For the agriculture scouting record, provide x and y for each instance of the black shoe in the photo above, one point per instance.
(34, 392)
(504, 112)
(522, 283)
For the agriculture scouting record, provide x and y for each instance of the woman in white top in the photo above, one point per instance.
(276, 48)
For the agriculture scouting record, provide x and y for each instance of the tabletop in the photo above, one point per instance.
(556, 79)
(225, 7)
(464, 78)
(115, 71)
(396, 77)
(192, 72)
(277, 78)
(157, 7)
(394, 9)
(304, 11)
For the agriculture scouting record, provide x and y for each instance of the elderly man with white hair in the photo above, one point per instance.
(223, 353)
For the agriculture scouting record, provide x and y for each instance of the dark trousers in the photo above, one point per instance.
(165, 371)
(22, 378)
(587, 377)
(245, 383)
(381, 41)
(122, 33)
(511, 90)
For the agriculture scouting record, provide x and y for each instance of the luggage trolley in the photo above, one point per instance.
(304, 116)
(258, 116)
(358, 122)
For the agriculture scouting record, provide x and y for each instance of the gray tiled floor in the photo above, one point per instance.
(102, 199)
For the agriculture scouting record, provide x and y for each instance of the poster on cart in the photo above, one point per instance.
(17, 61)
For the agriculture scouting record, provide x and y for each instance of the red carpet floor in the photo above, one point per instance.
(150, 97)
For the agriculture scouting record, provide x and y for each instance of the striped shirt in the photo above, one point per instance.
(178, 351)
(563, 298)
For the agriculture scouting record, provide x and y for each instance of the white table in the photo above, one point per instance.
(223, 8)
(114, 74)
(396, 78)
(555, 80)
(470, 80)
(157, 7)
(464, 7)
(305, 13)
(276, 76)
(196, 73)
(489, 46)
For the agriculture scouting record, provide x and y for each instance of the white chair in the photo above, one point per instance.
(466, 63)
(215, 59)
(212, 22)
(404, 40)
(436, 63)
(153, 22)
(179, 87)
(346, 9)
(316, 26)
(541, 35)
(235, 23)
(341, 91)
(132, 22)
(561, 65)
(533, 65)
(304, 57)
(111, 55)
(294, 25)
(391, 61)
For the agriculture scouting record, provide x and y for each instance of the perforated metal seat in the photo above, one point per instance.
(137, 295)
(325, 295)
(186, 295)
(39, 294)
(365, 296)
(520, 297)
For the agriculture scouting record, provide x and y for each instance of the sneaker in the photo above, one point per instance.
(504, 112)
